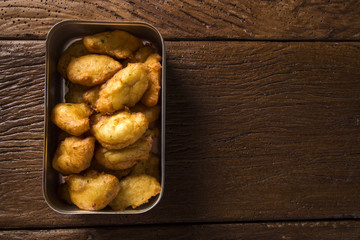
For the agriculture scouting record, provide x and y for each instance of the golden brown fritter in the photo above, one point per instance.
(92, 69)
(72, 117)
(134, 191)
(151, 96)
(125, 88)
(93, 191)
(75, 92)
(150, 166)
(151, 113)
(91, 96)
(73, 155)
(76, 49)
(117, 173)
(126, 157)
(95, 118)
(119, 44)
(140, 56)
(119, 130)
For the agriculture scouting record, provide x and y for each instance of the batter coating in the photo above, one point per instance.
(151, 113)
(119, 130)
(93, 191)
(125, 88)
(73, 118)
(91, 96)
(126, 157)
(135, 191)
(76, 49)
(73, 155)
(119, 44)
(92, 69)
(151, 96)
(140, 56)
(117, 173)
(150, 166)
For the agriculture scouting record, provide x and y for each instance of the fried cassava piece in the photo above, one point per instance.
(151, 113)
(117, 173)
(92, 69)
(119, 130)
(125, 88)
(151, 96)
(73, 155)
(126, 157)
(93, 190)
(150, 166)
(134, 191)
(76, 49)
(118, 44)
(73, 118)
(140, 56)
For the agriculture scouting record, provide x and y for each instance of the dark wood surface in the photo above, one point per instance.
(349, 230)
(255, 131)
(262, 137)
(192, 19)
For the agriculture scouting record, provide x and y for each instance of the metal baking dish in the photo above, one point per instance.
(58, 39)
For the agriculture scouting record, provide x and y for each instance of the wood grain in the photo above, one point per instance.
(21, 127)
(192, 19)
(255, 131)
(297, 230)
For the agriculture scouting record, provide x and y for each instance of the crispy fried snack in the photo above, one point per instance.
(151, 113)
(64, 194)
(117, 43)
(125, 88)
(77, 49)
(73, 155)
(126, 157)
(91, 96)
(151, 96)
(117, 173)
(150, 166)
(143, 53)
(92, 69)
(72, 117)
(119, 130)
(140, 56)
(93, 191)
(134, 191)
(95, 118)
(75, 92)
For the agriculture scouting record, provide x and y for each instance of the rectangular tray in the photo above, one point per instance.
(60, 36)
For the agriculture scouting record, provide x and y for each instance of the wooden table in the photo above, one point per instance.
(263, 120)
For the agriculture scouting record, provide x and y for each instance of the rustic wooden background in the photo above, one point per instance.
(263, 120)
